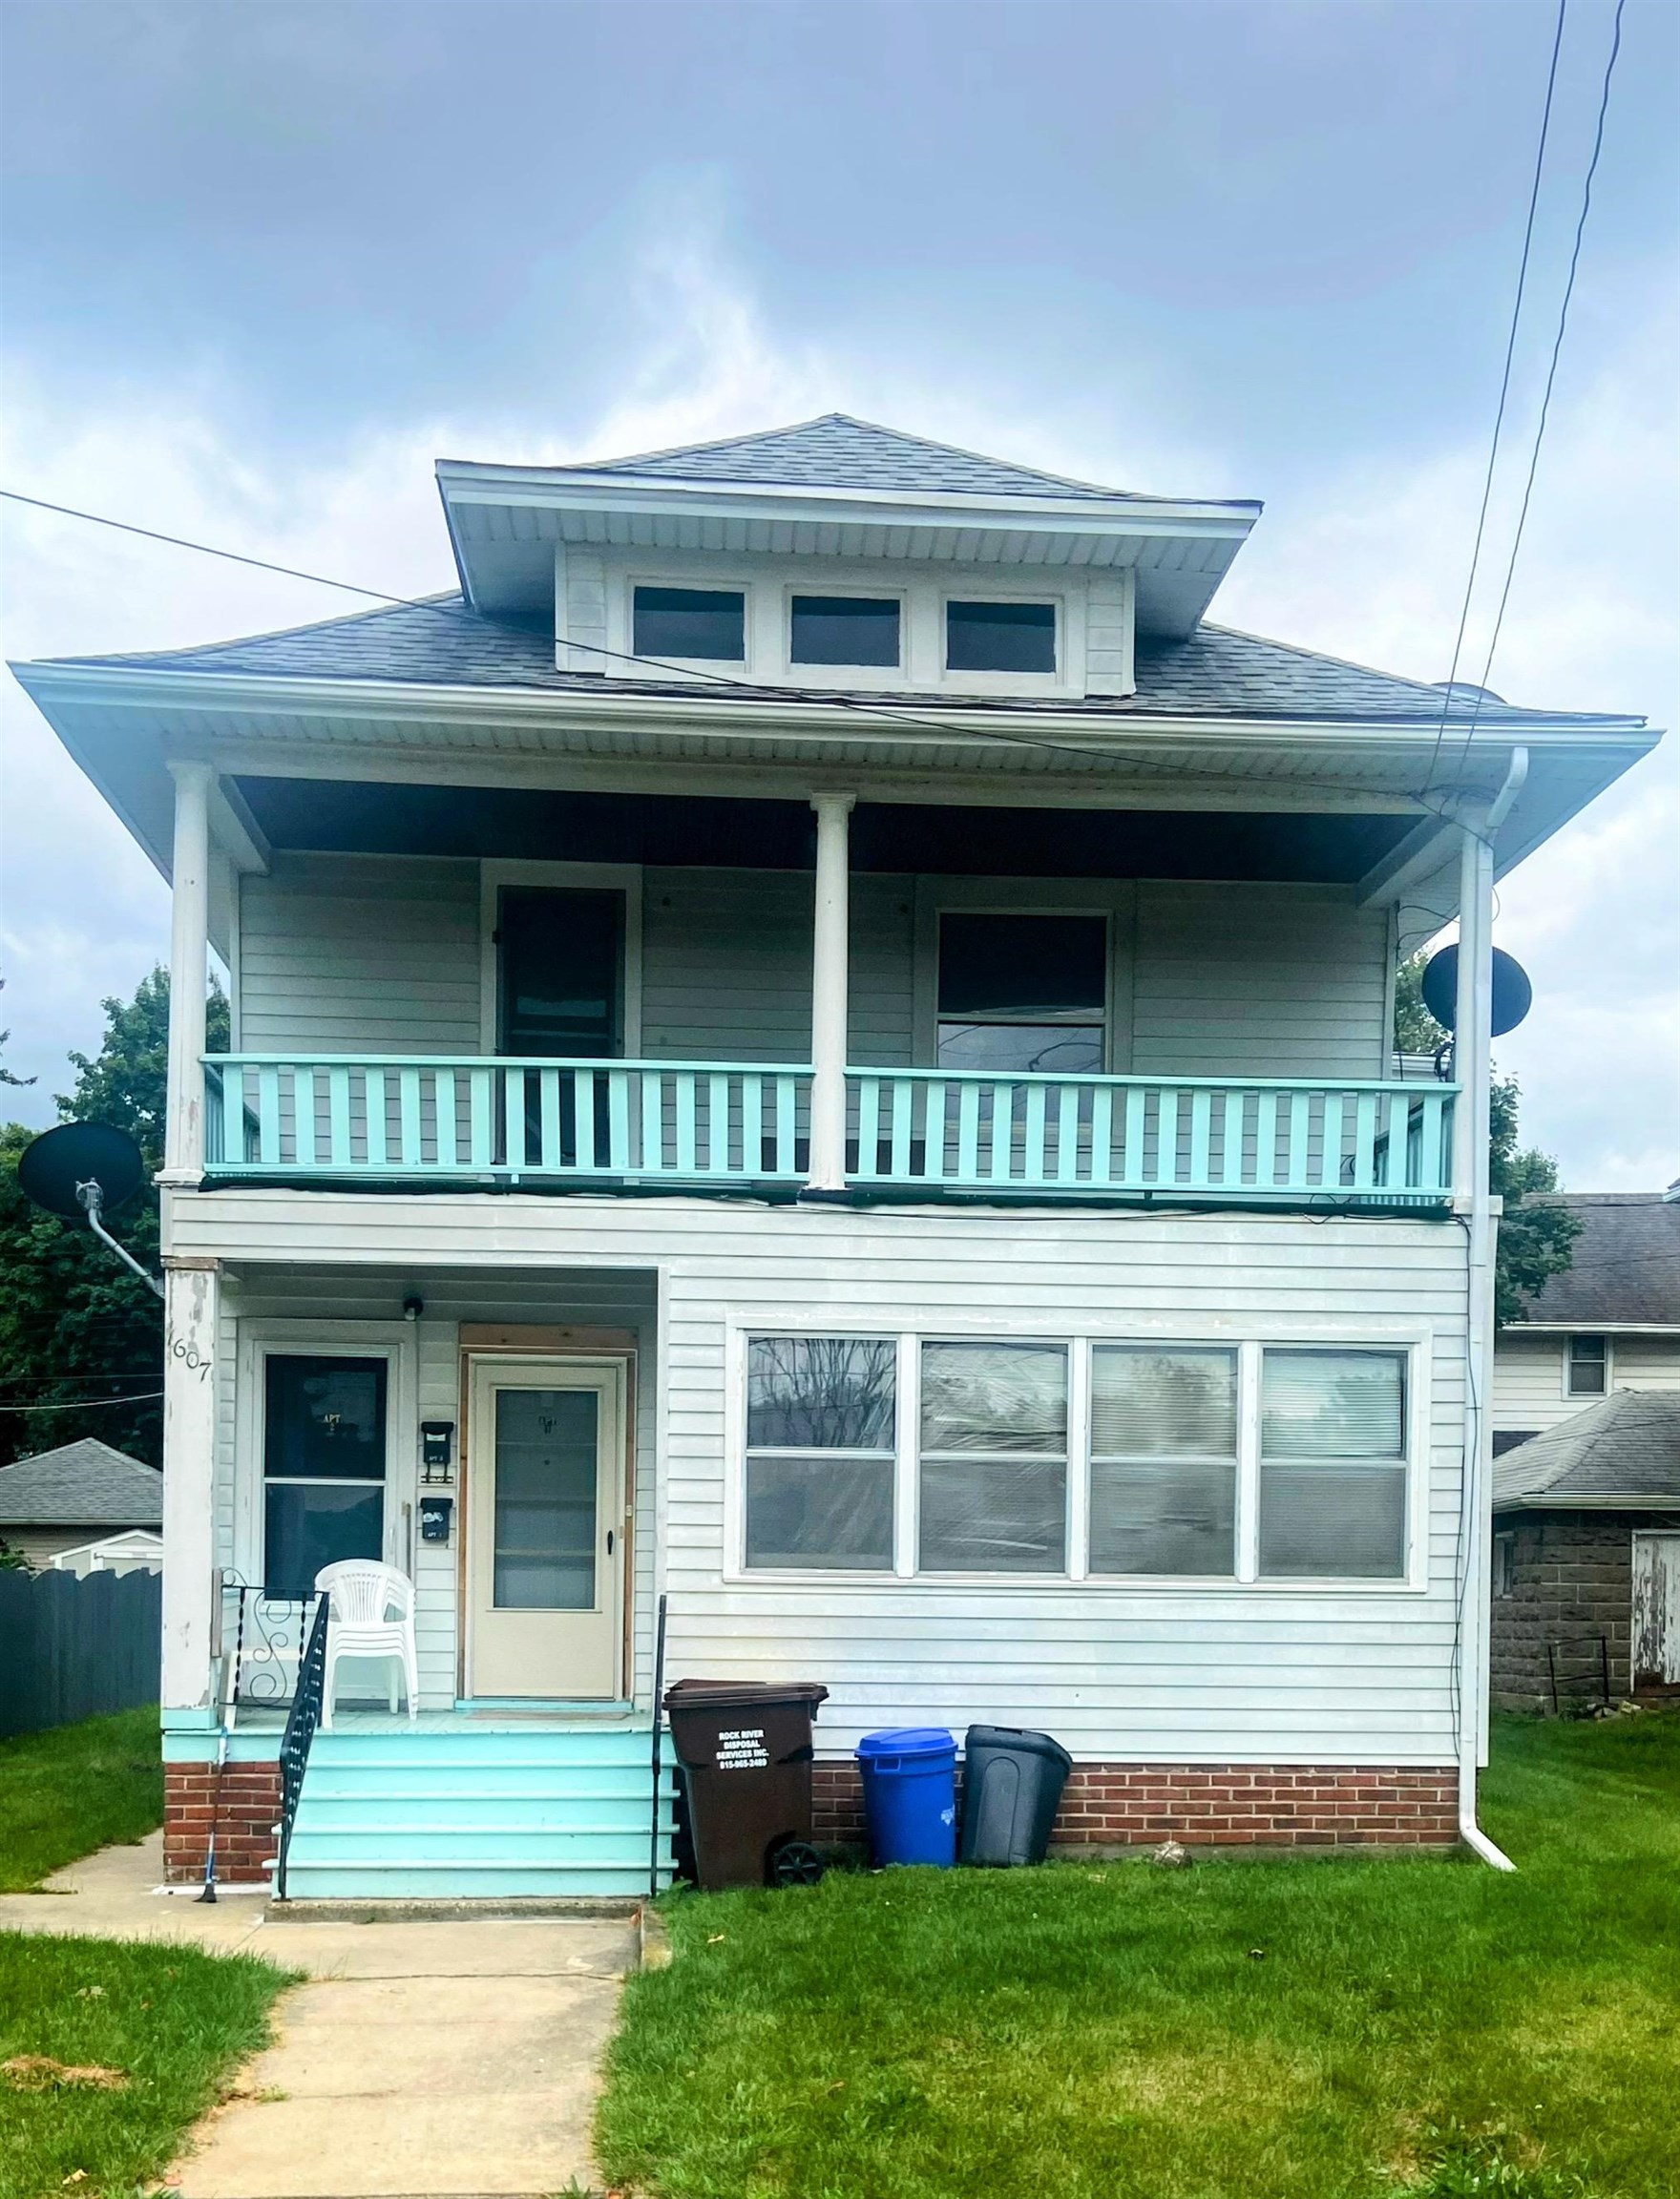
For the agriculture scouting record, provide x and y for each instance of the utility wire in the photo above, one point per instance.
(882, 713)
(1598, 146)
(84, 1404)
(1504, 392)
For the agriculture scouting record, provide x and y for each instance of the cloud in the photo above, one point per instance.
(1366, 560)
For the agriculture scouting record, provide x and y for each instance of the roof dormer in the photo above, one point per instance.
(839, 555)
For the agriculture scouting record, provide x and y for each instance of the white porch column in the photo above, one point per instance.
(831, 942)
(189, 1484)
(189, 975)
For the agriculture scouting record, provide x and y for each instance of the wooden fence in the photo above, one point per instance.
(73, 1648)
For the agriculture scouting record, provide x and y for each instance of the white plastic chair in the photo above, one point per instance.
(370, 1613)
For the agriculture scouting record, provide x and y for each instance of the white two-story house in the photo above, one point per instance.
(816, 1046)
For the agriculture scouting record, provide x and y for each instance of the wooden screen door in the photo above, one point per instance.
(1656, 1609)
(545, 1539)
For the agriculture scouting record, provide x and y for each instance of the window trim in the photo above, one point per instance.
(1502, 1581)
(1415, 1343)
(693, 584)
(260, 1341)
(1056, 682)
(749, 1451)
(896, 676)
(1578, 1335)
(496, 871)
(937, 897)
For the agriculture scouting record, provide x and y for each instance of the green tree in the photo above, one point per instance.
(1534, 1241)
(75, 1326)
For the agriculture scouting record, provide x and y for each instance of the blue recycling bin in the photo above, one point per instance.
(910, 1794)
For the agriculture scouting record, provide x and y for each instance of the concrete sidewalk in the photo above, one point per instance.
(420, 2060)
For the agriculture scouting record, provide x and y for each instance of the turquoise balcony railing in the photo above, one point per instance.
(274, 1117)
(1205, 1137)
(940, 1133)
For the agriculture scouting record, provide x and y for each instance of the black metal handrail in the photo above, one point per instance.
(300, 1732)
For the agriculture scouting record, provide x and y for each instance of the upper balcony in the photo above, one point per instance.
(537, 1124)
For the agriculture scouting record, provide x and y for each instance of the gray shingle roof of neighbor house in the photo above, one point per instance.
(1216, 673)
(1624, 1449)
(837, 451)
(1626, 1264)
(82, 1484)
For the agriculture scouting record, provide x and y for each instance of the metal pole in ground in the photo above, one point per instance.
(658, 1688)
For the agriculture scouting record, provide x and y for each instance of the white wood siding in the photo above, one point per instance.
(1118, 1670)
(364, 953)
(1259, 980)
(381, 954)
(1528, 1374)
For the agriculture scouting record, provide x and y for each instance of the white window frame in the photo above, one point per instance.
(494, 872)
(1570, 1393)
(1068, 605)
(739, 1451)
(621, 627)
(937, 897)
(892, 678)
(392, 1341)
(1414, 1343)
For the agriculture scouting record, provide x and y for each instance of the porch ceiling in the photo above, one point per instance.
(350, 816)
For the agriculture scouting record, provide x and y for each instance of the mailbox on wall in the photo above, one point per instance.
(437, 1451)
(436, 1515)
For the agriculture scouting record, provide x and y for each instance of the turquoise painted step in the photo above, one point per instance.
(476, 1812)
(408, 1814)
(463, 1882)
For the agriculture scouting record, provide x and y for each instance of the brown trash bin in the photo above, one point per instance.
(746, 1751)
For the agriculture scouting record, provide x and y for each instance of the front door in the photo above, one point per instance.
(545, 1540)
(1656, 1610)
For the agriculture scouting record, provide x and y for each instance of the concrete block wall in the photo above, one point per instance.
(1573, 1585)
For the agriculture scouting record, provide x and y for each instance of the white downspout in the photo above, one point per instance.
(1473, 1069)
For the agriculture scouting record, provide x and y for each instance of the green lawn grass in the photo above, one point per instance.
(76, 1788)
(171, 2021)
(1337, 2028)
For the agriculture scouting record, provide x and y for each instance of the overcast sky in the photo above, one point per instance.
(260, 264)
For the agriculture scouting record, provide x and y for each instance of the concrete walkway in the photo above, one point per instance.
(420, 2060)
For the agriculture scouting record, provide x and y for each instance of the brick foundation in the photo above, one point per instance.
(245, 1810)
(1215, 1805)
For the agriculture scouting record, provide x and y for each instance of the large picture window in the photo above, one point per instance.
(323, 1466)
(821, 1414)
(1333, 1464)
(994, 1458)
(1023, 992)
(1164, 1460)
(1107, 1460)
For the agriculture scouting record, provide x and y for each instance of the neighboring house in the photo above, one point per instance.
(1586, 1557)
(80, 1493)
(136, 1550)
(1609, 1321)
(816, 1046)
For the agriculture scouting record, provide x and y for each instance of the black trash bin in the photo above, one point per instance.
(745, 1753)
(1012, 1785)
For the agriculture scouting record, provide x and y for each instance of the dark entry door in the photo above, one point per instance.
(563, 973)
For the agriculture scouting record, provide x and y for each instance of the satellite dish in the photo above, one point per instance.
(57, 1163)
(1512, 995)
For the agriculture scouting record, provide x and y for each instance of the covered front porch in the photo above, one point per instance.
(498, 1468)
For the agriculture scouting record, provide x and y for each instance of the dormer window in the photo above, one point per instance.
(991, 637)
(843, 630)
(703, 624)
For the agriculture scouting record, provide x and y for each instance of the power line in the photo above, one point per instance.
(858, 705)
(1598, 146)
(1504, 391)
(83, 1404)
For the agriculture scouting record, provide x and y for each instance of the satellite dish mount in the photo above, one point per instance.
(81, 1168)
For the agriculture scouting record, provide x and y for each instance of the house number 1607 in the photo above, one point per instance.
(190, 1356)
